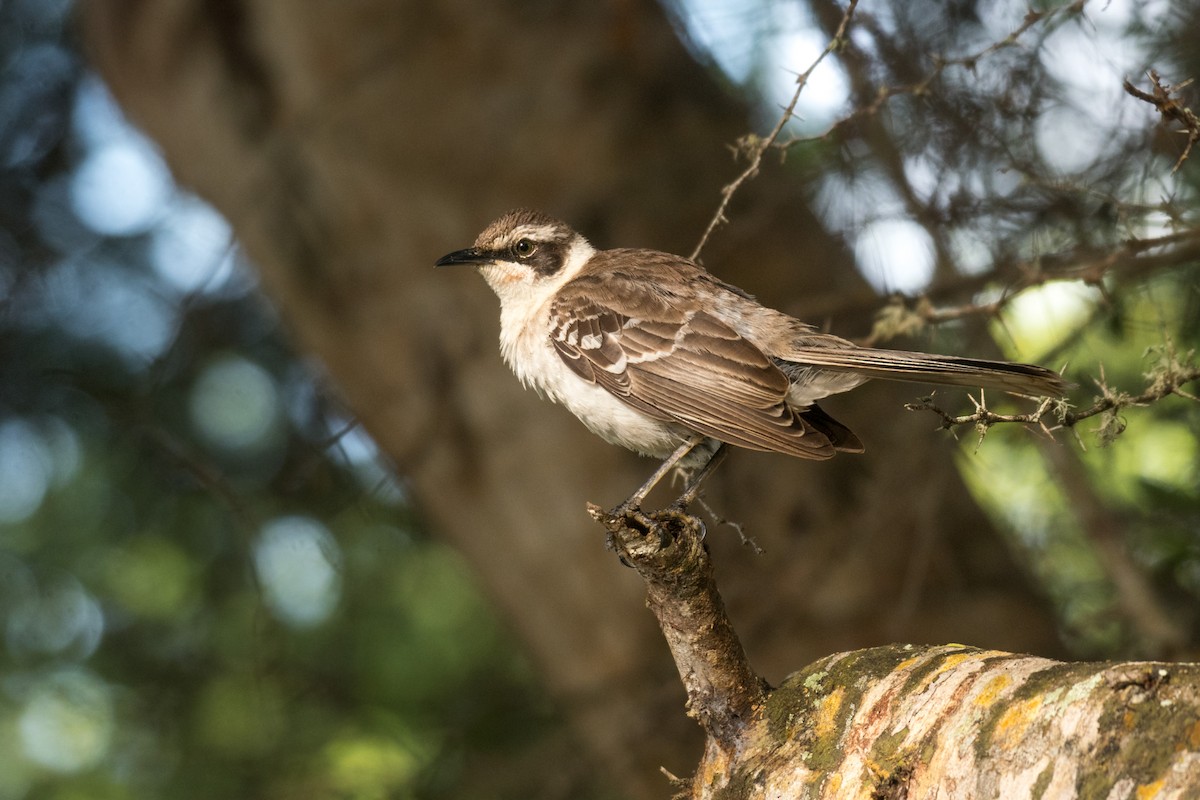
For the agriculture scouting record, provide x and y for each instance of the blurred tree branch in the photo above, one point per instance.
(1163, 98)
(1131, 259)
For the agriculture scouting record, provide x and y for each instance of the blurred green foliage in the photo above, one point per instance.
(211, 585)
(1137, 470)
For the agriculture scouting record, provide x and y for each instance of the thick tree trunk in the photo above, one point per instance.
(351, 144)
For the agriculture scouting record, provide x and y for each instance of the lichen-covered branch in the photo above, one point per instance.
(952, 721)
(904, 721)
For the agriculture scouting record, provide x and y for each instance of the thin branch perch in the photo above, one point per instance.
(667, 550)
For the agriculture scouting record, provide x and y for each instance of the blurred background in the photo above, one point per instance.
(213, 581)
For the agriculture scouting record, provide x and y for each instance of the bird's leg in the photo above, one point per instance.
(692, 490)
(691, 494)
(635, 500)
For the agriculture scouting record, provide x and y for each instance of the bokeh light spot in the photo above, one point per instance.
(151, 577)
(895, 255)
(1041, 318)
(1065, 144)
(193, 247)
(96, 301)
(57, 617)
(298, 564)
(234, 404)
(67, 723)
(121, 189)
(365, 766)
(25, 470)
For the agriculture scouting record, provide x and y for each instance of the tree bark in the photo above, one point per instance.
(351, 144)
(904, 721)
(916, 722)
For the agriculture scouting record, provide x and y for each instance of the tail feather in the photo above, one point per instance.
(841, 437)
(898, 365)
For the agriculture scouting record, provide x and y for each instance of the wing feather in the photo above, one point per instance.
(682, 365)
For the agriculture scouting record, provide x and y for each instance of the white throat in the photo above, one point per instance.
(525, 300)
(524, 293)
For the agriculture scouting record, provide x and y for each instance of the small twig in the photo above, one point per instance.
(1167, 379)
(756, 147)
(983, 417)
(738, 528)
(1162, 98)
(969, 61)
(207, 475)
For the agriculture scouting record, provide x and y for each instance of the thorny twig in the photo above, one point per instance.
(756, 147)
(1091, 268)
(1168, 378)
(1170, 109)
(969, 61)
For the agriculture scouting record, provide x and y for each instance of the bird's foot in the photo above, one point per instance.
(631, 515)
(628, 523)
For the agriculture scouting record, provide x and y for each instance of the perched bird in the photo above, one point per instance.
(653, 353)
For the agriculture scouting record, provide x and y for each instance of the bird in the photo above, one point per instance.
(655, 354)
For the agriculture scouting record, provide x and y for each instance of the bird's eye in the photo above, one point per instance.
(524, 248)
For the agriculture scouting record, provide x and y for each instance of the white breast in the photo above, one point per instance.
(527, 349)
(525, 344)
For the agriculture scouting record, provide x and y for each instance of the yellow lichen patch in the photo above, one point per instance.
(950, 662)
(1194, 736)
(992, 690)
(992, 654)
(1015, 721)
(715, 770)
(827, 712)
(1150, 791)
(945, 665)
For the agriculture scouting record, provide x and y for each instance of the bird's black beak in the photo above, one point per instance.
(472, 255)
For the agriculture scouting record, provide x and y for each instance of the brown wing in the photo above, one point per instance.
(679, 365)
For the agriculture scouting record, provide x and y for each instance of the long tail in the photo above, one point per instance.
(899, 365)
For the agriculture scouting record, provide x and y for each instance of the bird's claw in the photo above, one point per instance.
(634, 517)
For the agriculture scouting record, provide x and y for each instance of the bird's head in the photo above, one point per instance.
(524, 255)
